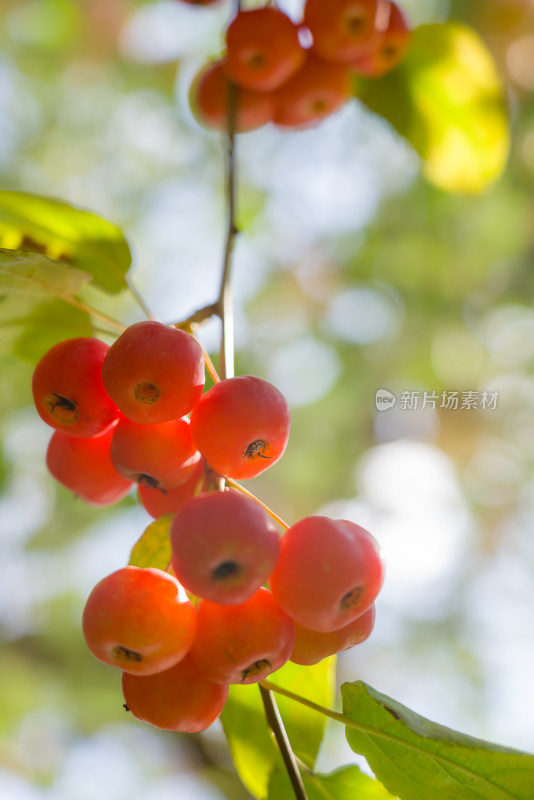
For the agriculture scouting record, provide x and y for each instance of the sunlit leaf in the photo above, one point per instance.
(245, 726)
(153, 548)
(420, 760)
(446, 98)
(65, 233)
(31, 274)
(343, 784)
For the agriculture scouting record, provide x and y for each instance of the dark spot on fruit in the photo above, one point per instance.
(389, 51)
(146, 393)
(355, 25)
(62, 409)
(350, 599)
(123, 654)
(125, 707)
(255, 668)
(256, 449)
(149, 481)
(318, 106)
(226, 571)
(256, 61)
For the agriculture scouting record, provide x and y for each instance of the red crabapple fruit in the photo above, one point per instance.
(241, 426)
(68, 391)
(139, 620)
(242, 643)
(154, 373)
(209, 95)
(263, 48)
(329, 572)
(224, 546)
(177, 699)
(161, 455)
(312, 646)
(389, 44)
(341, 29)
(84, 466)
(158, 503)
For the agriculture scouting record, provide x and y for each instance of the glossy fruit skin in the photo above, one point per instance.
(312, 646)
(389, 45)
(341, 29)
(209, 95)
(329, 572)
(154, 373)
(177, 699)
(161, 455)
(224, 546)
(241, 426)
(242, 643)
(139, 620)
(158, 503)
(317, 90)
(263, 49)
(68, 390)
(84, 466)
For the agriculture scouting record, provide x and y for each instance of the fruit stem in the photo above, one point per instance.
(139, 300)
(335, 715)
(274, 720)
(236, 485)
(209, 364)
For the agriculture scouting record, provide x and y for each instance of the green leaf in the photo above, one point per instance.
(420, 760)
(65, 233)
(342, 784)
(243, 718)
(34, 275)
(153, 548)
(49, 323)
(446, 98)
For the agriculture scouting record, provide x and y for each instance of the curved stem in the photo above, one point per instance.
(327, 712)
(236, 485)
(275, 723)
(139, 300)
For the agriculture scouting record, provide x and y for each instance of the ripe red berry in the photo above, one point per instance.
(341, 29)
(139, 620)
(388, 46)
(177, 699)
(84, 466)
(158, 503)
(312, 646)
(209, 101)
(263, 48)
(68, 391)
(329, 572)
(161, 455)
(317, 90)
(241, 426)
(242, 643)
(224, 546)
(154, 373)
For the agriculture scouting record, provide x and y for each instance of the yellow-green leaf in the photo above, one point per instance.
(342, 784)
(65, 233)
(153, 548)
(447, 99)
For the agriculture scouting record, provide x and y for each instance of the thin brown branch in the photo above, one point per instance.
(274, 720)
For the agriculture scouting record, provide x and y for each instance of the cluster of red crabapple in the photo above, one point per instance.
(296, 74)
(182, 636)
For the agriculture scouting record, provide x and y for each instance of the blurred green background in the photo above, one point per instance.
(352, 274)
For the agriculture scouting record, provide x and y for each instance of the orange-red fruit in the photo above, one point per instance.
(209, 97)
(154, 373)
(312, 646)
(158, 503)
(139, 620)
(389, 45)
(178, 699)
(263, 49)
(242, 643)
(224, 546)
(84, 466)
(68, 391)
(161, 455)
(329, 572)
(341, 29)
(200, 2)
(317, 90)
(241, 426)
